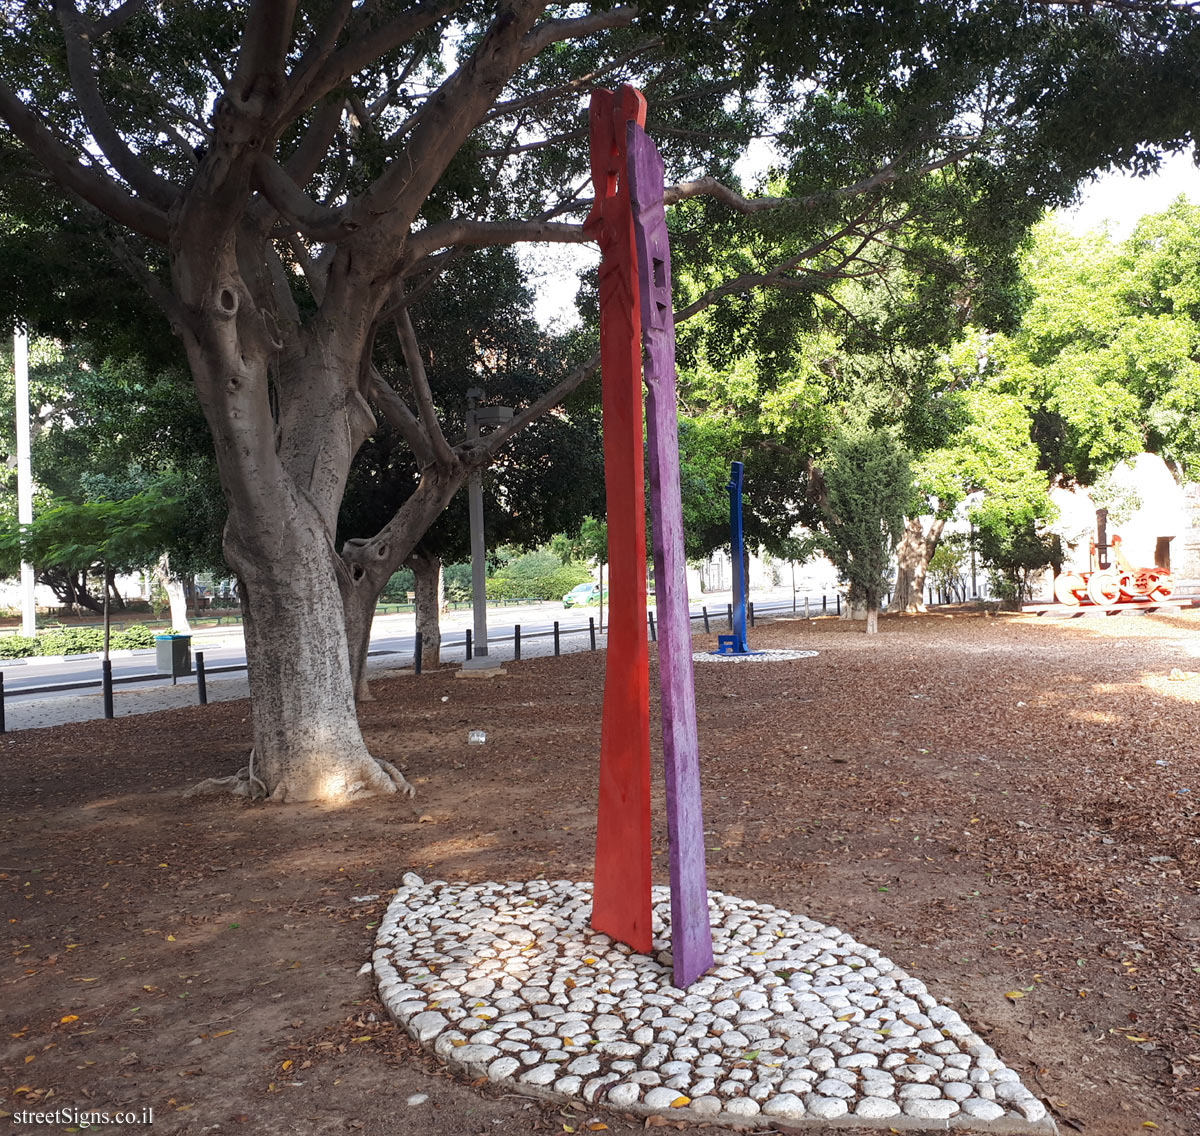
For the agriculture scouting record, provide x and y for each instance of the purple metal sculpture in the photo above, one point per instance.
(691, 931)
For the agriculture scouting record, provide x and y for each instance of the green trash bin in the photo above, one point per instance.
(174, 654)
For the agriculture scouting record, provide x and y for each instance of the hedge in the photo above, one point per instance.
(75, 641)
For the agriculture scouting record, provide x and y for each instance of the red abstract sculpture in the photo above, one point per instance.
(621, 899)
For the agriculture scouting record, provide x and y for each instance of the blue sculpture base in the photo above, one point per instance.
(732, 645)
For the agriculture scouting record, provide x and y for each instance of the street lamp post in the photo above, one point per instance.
(24, 475)
(478, 416)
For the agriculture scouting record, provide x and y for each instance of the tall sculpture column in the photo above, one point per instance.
(621, 900)
(691, 931)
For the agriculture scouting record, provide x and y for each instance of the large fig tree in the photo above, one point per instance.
(284, 177)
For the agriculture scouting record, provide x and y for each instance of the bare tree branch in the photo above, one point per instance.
(257, 81)
(303, 162)
(82, 69)
(116, 18)
(403, 421)
(90, 183)
(426, 411)
(710, 187)
(492, 444)
(362, 48)
(555, 31)
(312, 219)
(480, 234)
(573, 86)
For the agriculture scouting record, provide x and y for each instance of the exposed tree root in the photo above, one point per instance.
(242, 784)
(403, 786)
(378, 778)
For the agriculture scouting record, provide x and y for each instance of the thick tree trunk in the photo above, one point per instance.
(913, 555)
(307, 743)
(429, 592)
(872, 620)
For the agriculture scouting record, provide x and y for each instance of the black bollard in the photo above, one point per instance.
(516, 641)
(417, 654)
(824, 603)
(653, 629)
(707, 631)
(839, 603)
(106, 682)
(468, 644)
(2, 726)
(750, 612)
(591, 635)
(556, 642)
(729, 615)
(201, 684)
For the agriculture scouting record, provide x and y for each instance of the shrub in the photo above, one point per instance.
(537, 575)
(398, 586)
(135, 637)
(71, 641)
(457, 582)
(18, 646)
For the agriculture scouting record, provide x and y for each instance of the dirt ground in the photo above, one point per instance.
(1009, 807)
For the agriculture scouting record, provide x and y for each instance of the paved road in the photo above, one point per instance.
(391, 648)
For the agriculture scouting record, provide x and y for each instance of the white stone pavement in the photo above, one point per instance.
(797, 1024)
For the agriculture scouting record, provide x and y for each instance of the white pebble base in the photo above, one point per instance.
(796, 1022)
(769, 656)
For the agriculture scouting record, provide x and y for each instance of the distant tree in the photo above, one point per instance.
(863, 491)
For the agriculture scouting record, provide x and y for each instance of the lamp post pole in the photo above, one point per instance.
(24, 475)
(476, 417)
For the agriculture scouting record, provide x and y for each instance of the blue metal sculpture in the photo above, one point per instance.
(735, 644)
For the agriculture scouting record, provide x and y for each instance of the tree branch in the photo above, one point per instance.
(116, 18)
(426, 411)
(85, 82)
(480, 234)
(710, 187)
(402, 420)
(304, 161)
(362, 48)
(497, 438)
(555, 31)
(90, 183)
(258, 77)
(312, 219)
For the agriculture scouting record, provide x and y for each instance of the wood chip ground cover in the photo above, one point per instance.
(1009, 808)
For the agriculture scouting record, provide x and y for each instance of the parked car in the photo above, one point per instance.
(583, 594)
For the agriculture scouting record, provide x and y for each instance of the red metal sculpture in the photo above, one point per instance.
(1112, 580)
(621, 901)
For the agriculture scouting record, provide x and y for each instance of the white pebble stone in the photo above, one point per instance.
(502, 1067)
(742, 1106)
(705, 1106)
(475, 1054)
(1011, 1092)
(784, 1104)
(957, 1090)
(920, 1092)
(982, 1109)
(826, 1108)
(876, 1108)
(540, 1075)
(660, 1097)
(427, 1025)
(931, 1109)
(624, 1093)
(1032, 1109)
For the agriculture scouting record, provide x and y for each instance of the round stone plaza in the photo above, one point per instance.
(767, 656)
(797, 1022)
